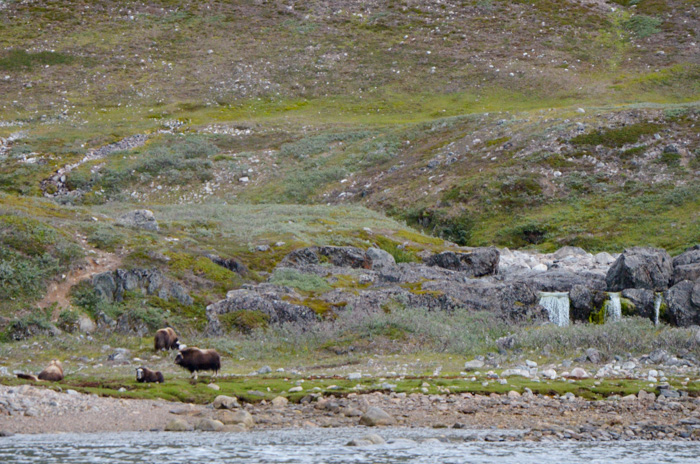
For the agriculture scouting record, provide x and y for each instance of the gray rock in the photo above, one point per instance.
(240, 416)
(375, 416)
(477, 263)
(380, 258)
(683, 303)
(659, 356)
(177, 425)
(111, 285)
(584, 301)
(85, 324)
(473, 365)
(225, 402)
(279, 402)
(338, 256)
(643, 301)
(593, 355)
(367, 440)
(140, 218)
(264, 370)
(568, 251)
(640, 267)
(210, 425)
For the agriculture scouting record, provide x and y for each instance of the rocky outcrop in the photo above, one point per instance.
(270, 300)
(683, 301)
(640, 267)
(112, 285)
(584, 301)
(230, 264)
(337, 256)
(686, 266)
(141, 219)
(478, 263)
(643, 301)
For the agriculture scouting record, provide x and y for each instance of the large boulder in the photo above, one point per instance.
(686, 266)
(477, 263)
(683, 302)
(584, 301)
(380, 258)
(559, 280)
(643, 301)
(338, 256)
(375, 416)
(112, 285)
(640, 267)
(141, 219)
(268, 299)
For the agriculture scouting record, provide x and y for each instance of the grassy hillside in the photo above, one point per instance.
(520, 123)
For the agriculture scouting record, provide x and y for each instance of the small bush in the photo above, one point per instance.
(244, 320)
(616, 138)
(642, 26)
(454, 227)
(300, 281)
(21, 60)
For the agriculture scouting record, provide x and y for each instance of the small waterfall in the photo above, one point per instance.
(613, 308)
(658, 299)
(557, 306)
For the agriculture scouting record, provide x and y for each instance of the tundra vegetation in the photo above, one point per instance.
(408, 126)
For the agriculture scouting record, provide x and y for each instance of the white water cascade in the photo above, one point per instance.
(658, 299)
(613, 308)
(557, 306)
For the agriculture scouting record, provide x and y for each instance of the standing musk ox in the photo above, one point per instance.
(193, 359)
(144, 374)
(166, 339)
(53, 373)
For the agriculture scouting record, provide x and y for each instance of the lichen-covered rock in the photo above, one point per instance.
(229, 263)
(177, 425)
(112, 285)
(640, 267)
(380, 258)
(345, 256)
(683, 302)
(210, 425)
(643, 301)
(140, 218)
(686, 266)
(266, 299)
(477, 263)
(585, 301)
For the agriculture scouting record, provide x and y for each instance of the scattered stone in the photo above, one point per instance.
(140, 218)
(225, 402)
(177, 425)
(593, 355)
(473, 365)
(280, 402)
(209, 425)
(375, 416)
(579, 373)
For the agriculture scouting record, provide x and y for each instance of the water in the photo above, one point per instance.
(327, 446)
(613, 308)
(557, 306)
(658, 299)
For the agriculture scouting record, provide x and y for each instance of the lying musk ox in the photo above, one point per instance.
(144, 374)
(193, 359)
(53, 373)
(166, 339)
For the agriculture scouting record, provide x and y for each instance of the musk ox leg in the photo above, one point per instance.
(194, 375)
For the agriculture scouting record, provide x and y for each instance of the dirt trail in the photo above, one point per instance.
(96, 262)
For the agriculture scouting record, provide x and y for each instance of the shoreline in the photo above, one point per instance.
(28, 409)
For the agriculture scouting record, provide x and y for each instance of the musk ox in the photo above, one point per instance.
(193, 359)
(144, 374)
(53, 373)
(166, 339)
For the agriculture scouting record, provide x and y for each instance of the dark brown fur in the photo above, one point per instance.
(193, 359)
(148, 376)
(166, 339)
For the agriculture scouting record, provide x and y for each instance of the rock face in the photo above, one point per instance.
(267, 299)
(683, 300)
(111, 285)
(640, 267)
(380, 258)
(337, 256)
(584, 301)
(140, 218)
(686, 266)
(643, 301)
(478, 263)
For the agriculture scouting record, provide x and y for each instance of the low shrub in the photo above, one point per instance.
(300, 281)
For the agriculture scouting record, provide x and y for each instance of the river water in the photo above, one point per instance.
(328, 446)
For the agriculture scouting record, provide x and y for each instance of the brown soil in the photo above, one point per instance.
(96, 262)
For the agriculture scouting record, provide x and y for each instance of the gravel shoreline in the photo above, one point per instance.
(29, 409)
